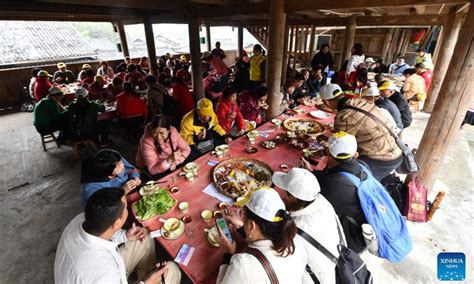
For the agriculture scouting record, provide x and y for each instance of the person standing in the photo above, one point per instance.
(424, 58)
(323, 58)
(63, 76)
(218, 51)
(257, 66)
(355, 63)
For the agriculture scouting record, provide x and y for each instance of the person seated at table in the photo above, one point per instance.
(184, 74)
(131, 109)
(323, 58)
(269, 230)
(414, 87)
(135, 77)
(425, 58)
(89, 78)
(182, 96)
(42, 85)
(339, 191)
(389, 91)
(357, 58)
(176, 67)
(83, 123)
(379, 66)
(377, 147)
(124, 64)
(82, 74)
(96, 89)
(373, 95)
(107, 168)
(302, 89)
(315, 81)
(165, 77)
(120, 72)
(201, 130)
(398, 67)
(314, 215)
(379, 79)
(161, 148)
(114, 89)
(425, 74)
(253, 104)
(161, 64)
(48, 114)
(94, 247)
(286, 95)
(105, 70)
(63, 76)
(229, 115)
(144, 64)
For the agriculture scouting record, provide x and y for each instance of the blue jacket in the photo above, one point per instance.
(90, 184)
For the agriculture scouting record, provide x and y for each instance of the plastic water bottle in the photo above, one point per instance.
(370, 238)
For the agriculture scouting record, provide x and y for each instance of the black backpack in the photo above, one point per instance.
(350, 268)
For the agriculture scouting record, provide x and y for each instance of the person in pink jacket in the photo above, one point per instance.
(161, 148)
(228, 113)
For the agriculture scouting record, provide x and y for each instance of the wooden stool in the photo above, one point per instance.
(48, 138)
(415, 105)
(85, 143)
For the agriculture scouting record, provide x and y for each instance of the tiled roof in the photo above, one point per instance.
(28, 41)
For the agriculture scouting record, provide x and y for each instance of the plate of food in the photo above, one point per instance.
(309, 102)
(238, 177)
(213, 236)
(172, 229)
(149, 188)
(269, 144)
(320, 114)
(303, 126)
(157, 203)
(325, 108)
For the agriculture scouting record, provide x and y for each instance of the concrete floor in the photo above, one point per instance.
(39, 195)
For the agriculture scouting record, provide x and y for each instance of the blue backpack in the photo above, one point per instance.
(383, 215)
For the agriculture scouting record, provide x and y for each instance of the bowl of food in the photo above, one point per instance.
(222, 148)
(172, 229)
(269, 144)
(251, 150)
(213, 236)
(190, 167)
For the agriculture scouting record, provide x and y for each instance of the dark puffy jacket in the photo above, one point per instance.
(392, 108)
(342, 194)
(403, 107)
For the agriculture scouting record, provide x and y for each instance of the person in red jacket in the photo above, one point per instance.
(165, 77)
(96, 89)
(42, 85)
(229, 115)
(136, 78)
(161, 148)
(253, 104)
(182, 96)
(131, 109)
(184, 74)
(425, 73)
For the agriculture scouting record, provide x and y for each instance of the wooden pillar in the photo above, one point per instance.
(349, 35)
(295, 51)
(208, 37)
(240, 40)
(195, 49)
(275, 55)
(123, 39)
(434, 58)
(451, 105)
(386, 45)
(400, 42)
(312, 43)
(446, 49)
(305, 46)
(150, 45)
(393, 45)
(284, 65)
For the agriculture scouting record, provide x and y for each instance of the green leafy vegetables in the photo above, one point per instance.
(157, 203)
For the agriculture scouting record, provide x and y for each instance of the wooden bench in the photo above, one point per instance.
(48, 138)
(85, 143)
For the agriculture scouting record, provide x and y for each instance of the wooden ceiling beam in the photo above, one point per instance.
(175, 5)
(234, 10)
(425, 20)
(299, 5)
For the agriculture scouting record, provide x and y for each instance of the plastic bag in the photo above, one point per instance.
(415, 208)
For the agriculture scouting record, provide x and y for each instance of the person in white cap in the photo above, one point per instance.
(376, 145)
(339, 191)
(314, 215)
(388, 107)
(270, 231)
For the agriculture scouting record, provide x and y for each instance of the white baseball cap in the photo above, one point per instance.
(330, 91)
(373, 91)
(265, 203)
(81, 93)
(300, 183)
(370, 60)
(342, 145)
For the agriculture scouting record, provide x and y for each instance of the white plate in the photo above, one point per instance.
(320, 114)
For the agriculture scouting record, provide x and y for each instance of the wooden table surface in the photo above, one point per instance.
(204, 264)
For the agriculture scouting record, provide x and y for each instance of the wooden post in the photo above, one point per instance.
(290, 46)
(240, 40)
(386, 45)
(123, 39)
(349, 35)
(208, 37)
(295, 53)
(150, 45)
(312, 43)
(275, 55)
(446, 49)
(195, 49)
(305, 46)
(284, 65)
(451, 105)
(393, 46)
(435, 56)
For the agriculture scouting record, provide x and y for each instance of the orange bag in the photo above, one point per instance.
(417, 196)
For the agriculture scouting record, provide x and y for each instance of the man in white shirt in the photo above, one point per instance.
(398, 67)
(95, 249)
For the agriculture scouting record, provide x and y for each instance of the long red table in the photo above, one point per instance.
(204, 264)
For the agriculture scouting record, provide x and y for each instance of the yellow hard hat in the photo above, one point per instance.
(204, 107)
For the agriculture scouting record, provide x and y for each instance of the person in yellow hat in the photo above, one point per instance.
(201, 130)
(63, 76)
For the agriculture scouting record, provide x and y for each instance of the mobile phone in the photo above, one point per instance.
(222, 224)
